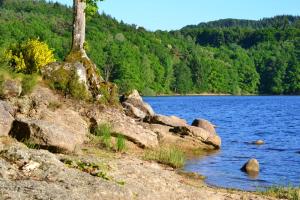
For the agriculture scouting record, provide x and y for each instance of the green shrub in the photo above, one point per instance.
(30, 144)
(30, 56)
(290, 193)
(109, 92)
(120, 144)
(148, 92)
(28, 83)
(167, 155)
(103, 131)
(68, 82)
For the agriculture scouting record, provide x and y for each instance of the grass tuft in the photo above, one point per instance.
(103, 131)
(290, 193)
(120, 144)
(167, 155)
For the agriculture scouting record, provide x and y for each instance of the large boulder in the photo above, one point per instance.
(199, 134)
(11, 88)
(135, 106)
(172, 121)
(59, 130)
(251, 167)
(124, 125)
(206, 125)
(52, 70)
(6, 118)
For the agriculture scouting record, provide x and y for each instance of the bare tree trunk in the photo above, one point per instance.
(79, 26)
(78, 54)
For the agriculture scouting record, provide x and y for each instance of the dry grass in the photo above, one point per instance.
(171, 156)
(290, 193)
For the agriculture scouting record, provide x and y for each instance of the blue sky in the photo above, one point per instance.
(174, 14)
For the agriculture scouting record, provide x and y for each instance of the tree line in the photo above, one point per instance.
(225, 56)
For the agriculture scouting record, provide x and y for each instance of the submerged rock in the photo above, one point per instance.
(258, 142)
(251, 167)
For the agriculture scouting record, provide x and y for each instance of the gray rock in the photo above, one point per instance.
(37, 174)
(199, 134)
(133, 111)
(76, 67)
(136, 107)
(206, 125)
(167, 120)
(126, 126)
(11, 88)
(59, 130)
(6, 118)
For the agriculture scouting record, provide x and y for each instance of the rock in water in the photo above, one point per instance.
(206, 125)
(251, 167)
(258, 142)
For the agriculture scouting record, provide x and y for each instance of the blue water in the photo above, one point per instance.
(241, 120)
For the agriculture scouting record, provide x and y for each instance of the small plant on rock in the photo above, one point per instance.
(103, 131)
(120, 143)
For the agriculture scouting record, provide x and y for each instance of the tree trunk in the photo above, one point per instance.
(79, 26)
(78, 54)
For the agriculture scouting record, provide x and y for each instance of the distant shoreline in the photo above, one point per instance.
(221, 94)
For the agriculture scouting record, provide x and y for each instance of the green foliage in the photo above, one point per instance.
(103, 131)
(28, 81)
(30, 144)
(88, 167)
(109, 92)
(167, 155)
(68, 82)
(120, 143)
(225, 56)
(30, 56)
(290, 193)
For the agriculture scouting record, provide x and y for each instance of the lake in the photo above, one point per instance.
(241, 120)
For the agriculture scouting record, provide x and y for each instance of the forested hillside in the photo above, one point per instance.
(226, 56)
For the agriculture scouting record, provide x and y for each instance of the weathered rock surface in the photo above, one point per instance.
(206, 125)
(11, 88)
(199, 134)
(50, 71)
(135, 106)
(6, 118)
(251, 167)
(37, 174)
(172, 121)
(48, 134)
(59, 128)
(126, 126)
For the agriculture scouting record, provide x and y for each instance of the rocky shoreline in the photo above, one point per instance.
(74, 168)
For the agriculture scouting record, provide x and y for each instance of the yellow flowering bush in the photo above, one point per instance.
(30, 56)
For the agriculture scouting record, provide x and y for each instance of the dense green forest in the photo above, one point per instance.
(225, 56)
